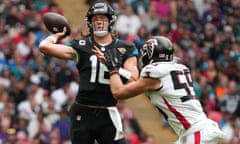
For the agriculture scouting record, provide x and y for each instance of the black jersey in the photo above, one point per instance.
(94, 86)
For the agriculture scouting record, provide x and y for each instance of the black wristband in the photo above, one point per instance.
(115, 71)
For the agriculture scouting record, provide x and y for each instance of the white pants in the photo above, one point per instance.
(204, 132)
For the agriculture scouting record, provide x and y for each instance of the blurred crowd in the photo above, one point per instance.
(36, 90)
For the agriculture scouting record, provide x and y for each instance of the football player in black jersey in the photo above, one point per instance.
(94, 115)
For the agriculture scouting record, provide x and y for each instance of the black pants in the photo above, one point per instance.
(89, 124)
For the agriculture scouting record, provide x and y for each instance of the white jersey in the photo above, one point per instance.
(176, 97)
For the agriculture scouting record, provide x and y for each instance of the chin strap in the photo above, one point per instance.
(100, 33)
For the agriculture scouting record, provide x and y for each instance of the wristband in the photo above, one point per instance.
(115, 71)
(124, 73)
(53, 38)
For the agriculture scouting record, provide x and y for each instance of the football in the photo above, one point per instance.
(55, 23)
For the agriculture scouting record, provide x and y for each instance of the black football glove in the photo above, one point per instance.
(113, 60)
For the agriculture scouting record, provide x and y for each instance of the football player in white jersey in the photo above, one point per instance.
(169, 86)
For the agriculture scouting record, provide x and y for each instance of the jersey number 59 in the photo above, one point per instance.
(182, 80)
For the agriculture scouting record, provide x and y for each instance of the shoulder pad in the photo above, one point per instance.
(126, 43)
(78, 43)
(151, 71)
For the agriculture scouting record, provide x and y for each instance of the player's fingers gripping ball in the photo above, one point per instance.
(55, 23)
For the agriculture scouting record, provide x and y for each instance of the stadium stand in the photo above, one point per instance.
(206, 36)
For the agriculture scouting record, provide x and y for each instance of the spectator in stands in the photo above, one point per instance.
(208, 36)
(163, 28)
(230, 100)
(5, 125)
(151, 20)
(52, 115)
(28, 107)
(178, 31)
(55, 137)
(63, 125)
(214, 15)
(22, 126)
(17, 92)
(59, 95)
(38, 92)
(187, 40)
(207, 96)
(189, 15)
(210, 72)
(141, 37)
(201, 6)
(232, 22)
(11, 137)
(13, 16)
(140, 7)
(228, 36)
(4, 98)
(128, 23)
(163, 9)
(229, 128)
(221, 87)
(22, 138)
(17, 66)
